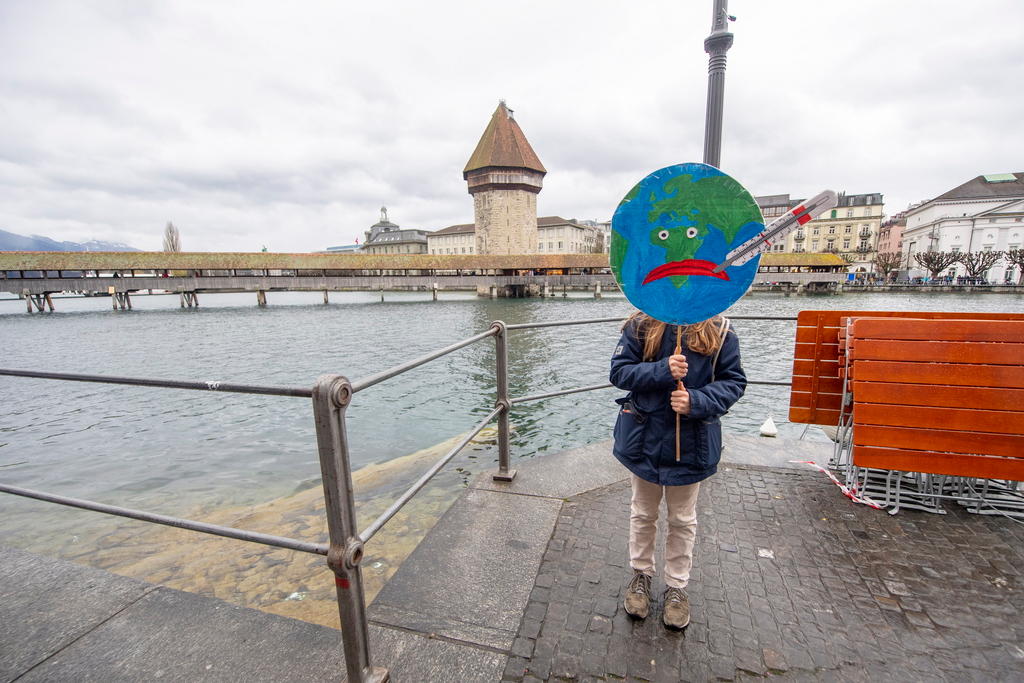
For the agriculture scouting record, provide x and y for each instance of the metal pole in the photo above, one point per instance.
(331, 396)
(501, 372)
(716, 45)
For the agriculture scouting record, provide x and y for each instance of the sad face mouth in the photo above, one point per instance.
(686, 267)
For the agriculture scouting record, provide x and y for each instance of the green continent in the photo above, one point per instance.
(723, 202)
(619, 247)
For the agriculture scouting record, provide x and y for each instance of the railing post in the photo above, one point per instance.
(331, 396)
(501, 375)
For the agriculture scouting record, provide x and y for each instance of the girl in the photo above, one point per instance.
(648, 365)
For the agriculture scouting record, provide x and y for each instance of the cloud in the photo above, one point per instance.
(291, 126)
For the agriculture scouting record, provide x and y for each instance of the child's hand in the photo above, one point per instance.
(680, 401)
(677, 366)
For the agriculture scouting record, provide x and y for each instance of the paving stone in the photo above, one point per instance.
(913, 593)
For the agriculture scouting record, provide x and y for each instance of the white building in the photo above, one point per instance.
(850, 230)
(984, 214)
(455, 239)
(555, 235)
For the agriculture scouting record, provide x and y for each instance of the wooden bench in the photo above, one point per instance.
(938, 396)
(817, 389)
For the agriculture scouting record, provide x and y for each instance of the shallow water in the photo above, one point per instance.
(251, 460)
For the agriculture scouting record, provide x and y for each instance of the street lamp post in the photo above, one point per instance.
(716, 45)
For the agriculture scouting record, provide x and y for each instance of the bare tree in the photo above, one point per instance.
(172, 238)
(936, 261)
(886, 262)
(976, 263)
(1016, 257)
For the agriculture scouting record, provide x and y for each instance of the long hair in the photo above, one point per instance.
(704, 337)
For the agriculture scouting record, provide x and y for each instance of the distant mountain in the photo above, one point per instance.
(11, 242)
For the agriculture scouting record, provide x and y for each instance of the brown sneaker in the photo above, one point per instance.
(677, 609)
(638, 596)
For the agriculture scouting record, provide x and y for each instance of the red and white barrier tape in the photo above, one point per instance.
(849, 492)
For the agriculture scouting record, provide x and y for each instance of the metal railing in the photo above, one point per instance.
(331, 396)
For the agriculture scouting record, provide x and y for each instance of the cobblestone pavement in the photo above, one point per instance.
(790, 580)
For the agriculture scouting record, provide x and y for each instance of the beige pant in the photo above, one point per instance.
(682, 529)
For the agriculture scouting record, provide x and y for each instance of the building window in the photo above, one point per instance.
(849, 213)
(846, 244)
(540, 246)
(848, 228)
(559, 244)
(831, 229)
(815, 231)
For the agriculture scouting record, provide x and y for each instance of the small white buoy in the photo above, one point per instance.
(769, 428)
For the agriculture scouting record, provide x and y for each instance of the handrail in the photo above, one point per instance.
(204, 527)
(223, 387)
(370, 380)
(566, 392)
(399, 503)
(331, 395)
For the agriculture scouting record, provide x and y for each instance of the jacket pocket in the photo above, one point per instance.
(630, 426)
(710, 440)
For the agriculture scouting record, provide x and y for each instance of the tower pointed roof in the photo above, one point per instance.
(503, 144)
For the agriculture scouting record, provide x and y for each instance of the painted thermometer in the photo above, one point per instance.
(779, 228)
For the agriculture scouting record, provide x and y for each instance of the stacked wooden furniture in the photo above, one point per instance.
(934, 402)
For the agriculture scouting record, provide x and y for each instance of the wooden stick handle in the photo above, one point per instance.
(679, 384)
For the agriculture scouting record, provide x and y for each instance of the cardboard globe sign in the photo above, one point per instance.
(687, 241)
(671, 231)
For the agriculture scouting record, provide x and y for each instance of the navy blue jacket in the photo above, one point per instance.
(645, 431)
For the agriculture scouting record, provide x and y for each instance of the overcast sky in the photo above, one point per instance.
(290, 124)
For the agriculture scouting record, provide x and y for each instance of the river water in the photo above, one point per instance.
(250, 461)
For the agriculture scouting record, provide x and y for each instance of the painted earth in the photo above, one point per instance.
(671, 230)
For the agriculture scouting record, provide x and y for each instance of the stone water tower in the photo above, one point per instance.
(504, 176)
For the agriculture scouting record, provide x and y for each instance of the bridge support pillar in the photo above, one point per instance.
(382, 295)
(121, 300)
(261, 298)
(547, 290)
(326, 299)
(597, 290)
(565, 292)
(188, 299)
(434, 288)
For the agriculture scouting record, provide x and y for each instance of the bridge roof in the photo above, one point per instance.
(161, 260)
(803, 259)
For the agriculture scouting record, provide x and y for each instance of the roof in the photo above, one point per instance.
(776, 200)
(982, 188)
(503, 144)
(547, 221)
(455, 229)
(804, 259)
(146, 260)
(868, 199)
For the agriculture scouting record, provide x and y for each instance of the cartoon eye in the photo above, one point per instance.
(663, 235)
(691, 232)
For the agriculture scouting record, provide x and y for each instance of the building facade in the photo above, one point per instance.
(455, 239)
(984, 214)
(555, 235)
(385, 237)
(504, 177)
(850, 230)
